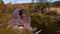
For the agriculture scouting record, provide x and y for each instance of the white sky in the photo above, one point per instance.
(21, 1)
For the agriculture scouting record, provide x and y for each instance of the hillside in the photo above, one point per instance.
(49, 23)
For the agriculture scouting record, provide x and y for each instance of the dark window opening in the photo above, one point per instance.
(21, 13)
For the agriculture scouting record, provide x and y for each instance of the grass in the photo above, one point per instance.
(6, 28)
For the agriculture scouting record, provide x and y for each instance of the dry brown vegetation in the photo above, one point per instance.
(49, 23)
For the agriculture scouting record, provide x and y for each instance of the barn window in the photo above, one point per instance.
(21, 13)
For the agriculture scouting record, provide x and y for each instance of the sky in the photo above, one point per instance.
(21, 1)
